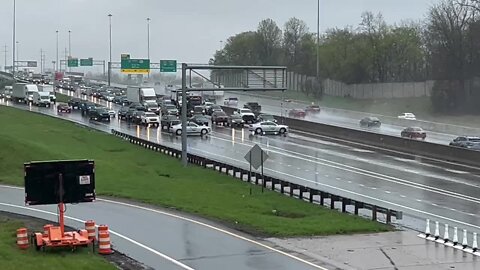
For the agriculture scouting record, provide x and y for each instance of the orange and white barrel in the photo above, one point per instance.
(104, 246)
(45, 230)
(22, 238)
(90, 227)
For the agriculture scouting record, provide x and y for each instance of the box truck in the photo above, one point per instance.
(41, 99)
(48, 88)
(23, 92)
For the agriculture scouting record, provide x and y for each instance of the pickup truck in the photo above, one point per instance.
(247, 115)
(254, 107)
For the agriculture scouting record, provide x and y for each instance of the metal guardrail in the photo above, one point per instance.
(275, 184)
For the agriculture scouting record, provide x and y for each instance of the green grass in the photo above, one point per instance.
(420, 106)
(125, 170)
(12, 258)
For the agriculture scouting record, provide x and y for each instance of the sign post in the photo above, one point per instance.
(168, 65)
(256, 157)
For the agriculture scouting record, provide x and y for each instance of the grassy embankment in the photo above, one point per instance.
(12, 258)
(125, 170)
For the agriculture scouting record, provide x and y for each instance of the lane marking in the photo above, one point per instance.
(368, 173)
(181, 218)
(184, 266)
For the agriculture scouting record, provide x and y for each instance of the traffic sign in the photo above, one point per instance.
(168, 65)
(31, 63)
(256, 156)
(135, 66)
(72, 62)
(86, 62)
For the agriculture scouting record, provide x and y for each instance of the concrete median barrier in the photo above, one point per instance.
(414, 147)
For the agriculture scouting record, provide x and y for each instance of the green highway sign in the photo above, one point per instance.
(135, 66)
(72, 62)
(168, 65)
(86, 62)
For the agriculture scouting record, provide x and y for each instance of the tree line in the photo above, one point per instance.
(444, 46)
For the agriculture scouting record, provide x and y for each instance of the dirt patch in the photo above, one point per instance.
(120, 260)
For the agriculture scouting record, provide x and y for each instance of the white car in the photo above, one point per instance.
(247, 115)
(150, 118)
(112, 113)
(268, 127)
(192, 128)
(232, 101)
(408, 116)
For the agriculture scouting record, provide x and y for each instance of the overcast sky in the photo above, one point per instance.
(187, 30)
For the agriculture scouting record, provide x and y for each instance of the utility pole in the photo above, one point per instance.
(56, 62)
(148, 42)
(110, 61)
(69, 47)
(42, 61)
(14, 40)
(5, 54)
(318, 41)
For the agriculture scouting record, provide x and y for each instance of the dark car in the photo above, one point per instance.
(124, 101)
(87, 107)
(169, 109)
(414, 133)
(117, 99)
(297, 113)
(214, 108)
(138, 107)
(219, 117)
(312, 109)
(122, 113)
(254, 107)
(168, 121)
(266, 117)
(199, 110)
(235, 120)
(129, 114)
(137, 117)
(63, 108)
(465, 141)
(200, 120)
(370, 122)
(74, 103)
(99, 114)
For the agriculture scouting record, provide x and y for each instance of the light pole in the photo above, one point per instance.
(110, 61)
(18, 44)
(318, 40)
(56, 62)
(148, 42)
(69, 47)
(14, 40)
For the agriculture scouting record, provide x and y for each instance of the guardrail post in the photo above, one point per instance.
(344, 205)
(322, 197)
(310, 196)
(389, 216)
(282, 187)
(357, 205)
(291, 190)
(332, 201)
(374, 213)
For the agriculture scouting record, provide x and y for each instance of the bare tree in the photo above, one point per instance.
(293, 35)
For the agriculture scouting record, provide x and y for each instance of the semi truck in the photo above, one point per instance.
(143, 95)
(23, 92)
(41, 99)
(48, 88)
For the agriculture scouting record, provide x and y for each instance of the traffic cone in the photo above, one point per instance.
(437, 230)
(465, 240)
(22, 238)
(427, 230)
(455, 236)
(474, 245)
(104, 247)
(446, 236)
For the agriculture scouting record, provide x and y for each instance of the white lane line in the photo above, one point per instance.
(184, 266)
(374, 188)
(403, 196)
(388, 192)
(364, 172)
(418, 200)
(189, 220)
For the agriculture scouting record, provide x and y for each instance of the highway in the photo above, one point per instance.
(274, 106)
(421, 189)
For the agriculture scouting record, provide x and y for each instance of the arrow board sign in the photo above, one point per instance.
(256, 156)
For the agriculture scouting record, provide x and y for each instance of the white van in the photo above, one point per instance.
(41, 99)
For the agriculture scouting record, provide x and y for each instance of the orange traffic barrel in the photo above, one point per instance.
(45, 229)
(22, 238)
(90, 227)
(104, 246)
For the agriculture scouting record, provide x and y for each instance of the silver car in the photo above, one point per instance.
(268, 127)
(192, 128)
